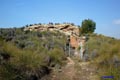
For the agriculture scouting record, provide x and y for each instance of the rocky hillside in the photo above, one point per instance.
(67, 29)
(40, 52)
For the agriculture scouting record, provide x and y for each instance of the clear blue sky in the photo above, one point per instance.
(106, 13)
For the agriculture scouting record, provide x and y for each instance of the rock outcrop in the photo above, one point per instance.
(67, 29)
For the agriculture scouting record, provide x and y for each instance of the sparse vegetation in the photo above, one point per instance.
(105, 52)
(29, 55)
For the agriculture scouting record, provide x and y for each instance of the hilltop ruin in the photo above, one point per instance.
(75, 41)
(67, 29)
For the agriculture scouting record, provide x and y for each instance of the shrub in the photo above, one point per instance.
(28, 56)
(21, 63)
(57, 56)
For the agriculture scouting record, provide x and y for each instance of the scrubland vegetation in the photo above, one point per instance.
(29, 55)
(104, 52)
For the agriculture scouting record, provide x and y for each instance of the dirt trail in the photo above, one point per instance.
(85, 71)
(69, 70)
(76, 71)
(66, 73)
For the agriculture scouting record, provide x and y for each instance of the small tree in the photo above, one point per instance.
(88, 26)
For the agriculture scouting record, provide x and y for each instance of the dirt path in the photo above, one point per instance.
(66, 73)
(85, 71)
(76, 71)
(69, 70)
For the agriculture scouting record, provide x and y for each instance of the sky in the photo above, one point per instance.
(106, 13)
